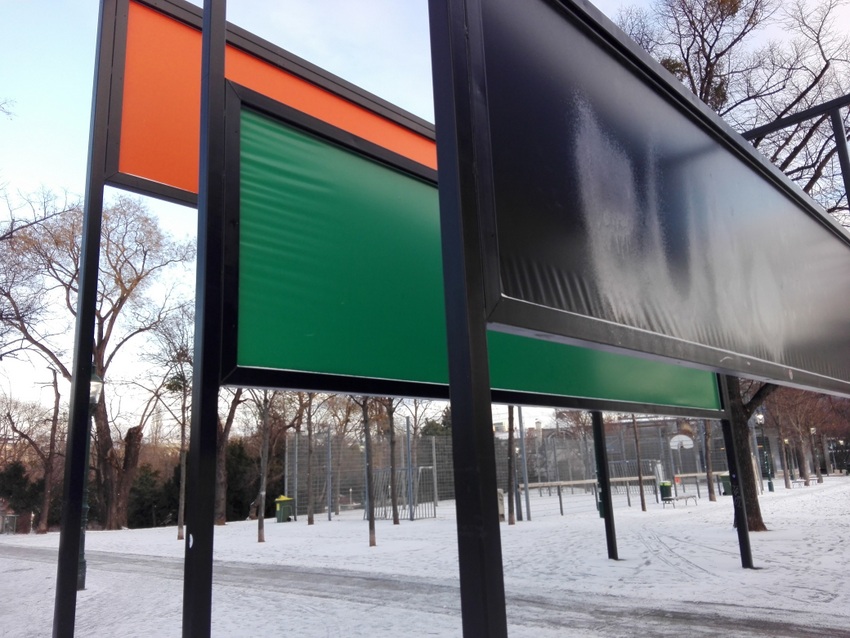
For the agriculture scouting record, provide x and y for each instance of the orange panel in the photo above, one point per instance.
(160, 119)
(291, 90)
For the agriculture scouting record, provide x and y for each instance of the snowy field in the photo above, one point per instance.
(679, 574)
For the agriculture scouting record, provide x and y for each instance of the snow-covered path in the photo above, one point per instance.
(680, 575)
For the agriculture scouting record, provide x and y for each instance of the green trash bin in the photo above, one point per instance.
(665, 488)
(727, 484)
(283, 508)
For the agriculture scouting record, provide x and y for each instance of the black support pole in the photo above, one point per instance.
(482, 589)
(735, 482)
(797, 118)
(604, 478)
(200, 493)
(76, 470)
(841, 146)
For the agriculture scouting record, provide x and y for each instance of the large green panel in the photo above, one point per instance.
(340, 273)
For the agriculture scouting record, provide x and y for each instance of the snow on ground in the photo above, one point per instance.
(679, 575)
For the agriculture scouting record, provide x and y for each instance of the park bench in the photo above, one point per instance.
(682, 497)
(798, 483)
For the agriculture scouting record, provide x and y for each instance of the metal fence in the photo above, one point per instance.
(555, 469)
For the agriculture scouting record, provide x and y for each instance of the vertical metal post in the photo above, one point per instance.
(409, 470)
(65, 601)
(737, 496)
(758, 474)
(200, 501)
(517, 497)
(482, 587)
(735, 483)
(841, 145)
(295, 478)
(696, 463)
(604, 483)
(668, 451)
(286, 464)
(625, 465)
(329, 474)
(524, 464)
(81, 574)
(434, 472)
(639, 469)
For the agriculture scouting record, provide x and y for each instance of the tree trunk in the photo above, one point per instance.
(43, 522)
(264, 469)
(108, 468)
(744, 457)
(393, 482)
(221, 458)
(132, 452)
(221, 481)
(181, 499)
(370, 491)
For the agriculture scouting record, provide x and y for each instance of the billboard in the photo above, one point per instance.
(339, 278)
(617, 211)
(357, 307)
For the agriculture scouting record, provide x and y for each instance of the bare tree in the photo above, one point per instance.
(232, 399)
(339, 410)
(39, 298)
(390, 405)
(810, 69)
(27, 305)
(365, 404)
(708, 45)
(420, 412)
(262, 403)
(173, 354)
(40, 430)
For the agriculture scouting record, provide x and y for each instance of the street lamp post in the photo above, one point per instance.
(765, 464)
(94, 398)
(812, 432)
(788, 458)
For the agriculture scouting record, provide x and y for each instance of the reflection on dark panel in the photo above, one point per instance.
(616, 200)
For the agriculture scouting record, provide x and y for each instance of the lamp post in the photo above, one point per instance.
(96, 387)
(788, 457)
(765, 464)
(812, 432)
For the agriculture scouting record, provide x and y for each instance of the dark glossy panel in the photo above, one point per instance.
(619, 200)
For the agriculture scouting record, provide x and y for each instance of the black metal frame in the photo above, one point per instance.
(482, 588)
(831, 108)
